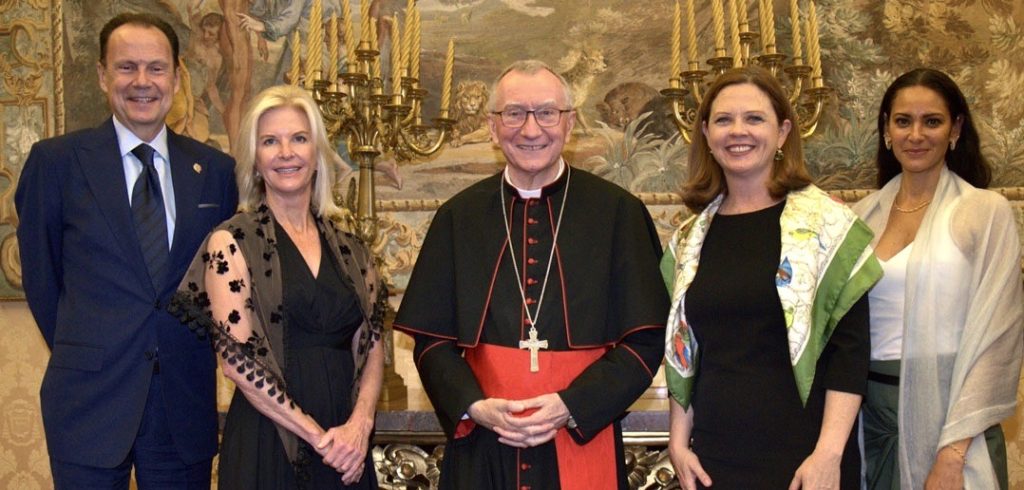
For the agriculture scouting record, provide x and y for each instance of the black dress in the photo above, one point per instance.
(321, 316)
(750, 429)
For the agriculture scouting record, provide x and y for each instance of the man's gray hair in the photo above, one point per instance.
(528, 67)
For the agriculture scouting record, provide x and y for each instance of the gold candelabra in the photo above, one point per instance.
(371, 116)
(806, 89)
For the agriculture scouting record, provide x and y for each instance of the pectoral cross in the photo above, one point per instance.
(533, 345)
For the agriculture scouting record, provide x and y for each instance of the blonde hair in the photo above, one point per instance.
(252, 190)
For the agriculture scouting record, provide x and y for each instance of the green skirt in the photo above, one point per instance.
(881, 435)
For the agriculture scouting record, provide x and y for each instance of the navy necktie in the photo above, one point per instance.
(150, 217)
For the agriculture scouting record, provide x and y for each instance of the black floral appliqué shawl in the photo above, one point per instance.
(261, 356)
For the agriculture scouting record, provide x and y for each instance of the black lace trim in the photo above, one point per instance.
(192, 310)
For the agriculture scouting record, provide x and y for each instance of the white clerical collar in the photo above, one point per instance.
(127, 140)
(534, 193)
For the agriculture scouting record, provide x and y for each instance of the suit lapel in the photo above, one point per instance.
(187, 175)
(103, 168)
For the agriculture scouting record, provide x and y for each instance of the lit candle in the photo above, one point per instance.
(364, 20)
(410, 27)
(769, 26)
(446, 84)
(373, 46)
(734, 31)
(814, 49)
(333, 50)
(416, 46)
(744, 22)
(315, 43)
(295, 71)
(396, 57)
(350, 35)
(719, 21)
(794, 18)
(677, 62)
(691, 36)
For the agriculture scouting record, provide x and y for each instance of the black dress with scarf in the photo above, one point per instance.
(750, 429)
(321, 315)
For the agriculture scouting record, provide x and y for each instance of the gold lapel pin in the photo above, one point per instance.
(197, 167)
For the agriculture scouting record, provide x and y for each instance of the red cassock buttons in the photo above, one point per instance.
(532, 241)
(531, 261)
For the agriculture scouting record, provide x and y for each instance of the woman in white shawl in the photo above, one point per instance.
(946, 337)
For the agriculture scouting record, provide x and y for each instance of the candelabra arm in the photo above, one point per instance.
(798, 87)
(430, 150)
(695, 91)
(808, 127)
(797, 73)
(675, 93)
(416, 95)
(681, 124)
(411, 116)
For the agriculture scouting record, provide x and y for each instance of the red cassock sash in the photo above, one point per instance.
(504, 372)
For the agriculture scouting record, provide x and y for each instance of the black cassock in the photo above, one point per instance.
(605, 292)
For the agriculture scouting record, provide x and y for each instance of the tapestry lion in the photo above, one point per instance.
(470, 114)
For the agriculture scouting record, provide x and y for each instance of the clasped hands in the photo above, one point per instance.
(539, 427)
(344, 448)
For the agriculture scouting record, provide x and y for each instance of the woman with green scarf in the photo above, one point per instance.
(767, 340)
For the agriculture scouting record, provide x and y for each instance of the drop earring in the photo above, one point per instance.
(888, 142)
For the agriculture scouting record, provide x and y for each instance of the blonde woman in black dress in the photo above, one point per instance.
(294, 306)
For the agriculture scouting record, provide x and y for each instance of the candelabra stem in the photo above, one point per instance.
(366, 214)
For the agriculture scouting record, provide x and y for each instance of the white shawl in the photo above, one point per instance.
(962, 328)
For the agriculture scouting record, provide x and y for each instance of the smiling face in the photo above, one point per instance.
(532, 152)
(285, 153)
(743, 132)
(920, 129)
(139, 78)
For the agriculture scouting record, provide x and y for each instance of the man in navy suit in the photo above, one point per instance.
(110, 218)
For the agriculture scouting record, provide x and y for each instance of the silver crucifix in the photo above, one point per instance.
(533, 345)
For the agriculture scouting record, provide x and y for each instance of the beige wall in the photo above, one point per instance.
(23, 354)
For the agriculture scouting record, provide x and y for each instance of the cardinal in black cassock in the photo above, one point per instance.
(604, 308)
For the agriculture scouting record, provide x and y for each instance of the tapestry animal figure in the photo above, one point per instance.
(624, 102)
(584, 65)
(660, 122)
(470, 113)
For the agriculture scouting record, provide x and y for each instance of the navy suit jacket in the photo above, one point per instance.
(90, 293)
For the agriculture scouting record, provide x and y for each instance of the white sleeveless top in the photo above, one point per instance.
(886, 301)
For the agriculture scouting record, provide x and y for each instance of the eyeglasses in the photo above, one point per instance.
(515, 117)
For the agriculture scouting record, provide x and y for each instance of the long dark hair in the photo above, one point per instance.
(966, 160)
